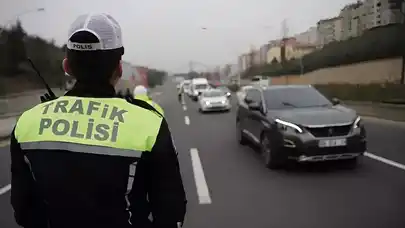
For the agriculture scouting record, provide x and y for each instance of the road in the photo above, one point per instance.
(228, 186)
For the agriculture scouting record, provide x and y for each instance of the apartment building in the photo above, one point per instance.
(293, 50)
(263, 53)
(308, 37)
(382, 12)
(256, 57)
(354, 20)
(329, 30)
(244, 62)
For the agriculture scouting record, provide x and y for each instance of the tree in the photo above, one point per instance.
(15, 49)
(377, 43)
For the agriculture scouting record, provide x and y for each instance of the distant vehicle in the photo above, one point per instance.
(299, 123)
(214, 100)
(198, 85)
(179, 79)
(126, 85)
(225, 89)
(260, 80)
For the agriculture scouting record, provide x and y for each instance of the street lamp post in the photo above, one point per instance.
(250, 53)
(402, 35)
(17, 16)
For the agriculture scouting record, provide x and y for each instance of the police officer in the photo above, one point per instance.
(141, 93)
(180, 94)
(90, 159)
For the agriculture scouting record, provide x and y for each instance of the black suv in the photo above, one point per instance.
(296, 122)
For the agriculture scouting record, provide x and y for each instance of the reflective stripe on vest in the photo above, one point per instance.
(108, 126)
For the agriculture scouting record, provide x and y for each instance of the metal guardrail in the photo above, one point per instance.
(15, 104)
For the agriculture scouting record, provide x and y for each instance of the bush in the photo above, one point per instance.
(387, 93)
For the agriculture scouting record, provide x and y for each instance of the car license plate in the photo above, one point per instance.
(332, 142)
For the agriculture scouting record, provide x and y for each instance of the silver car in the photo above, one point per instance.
(213, 100)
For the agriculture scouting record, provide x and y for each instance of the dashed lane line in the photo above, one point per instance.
(199, 177)
(187, 120)
(384, 160)
(5, 189)
(184, 108)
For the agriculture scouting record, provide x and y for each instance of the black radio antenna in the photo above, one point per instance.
(50, 92)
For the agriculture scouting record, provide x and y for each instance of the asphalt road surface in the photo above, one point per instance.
(228, 186)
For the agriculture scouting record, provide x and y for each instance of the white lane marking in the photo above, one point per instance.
(187, 120)
(199, 177)
(184, 108)
(5, 189)
(384, 160)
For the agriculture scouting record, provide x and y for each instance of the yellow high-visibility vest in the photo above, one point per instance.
(151, 102)
(109, 126)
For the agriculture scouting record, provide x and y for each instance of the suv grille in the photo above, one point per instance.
(331, 131)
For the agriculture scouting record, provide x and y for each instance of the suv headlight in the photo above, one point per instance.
(357, 123)
(288, 127)
(207, 103)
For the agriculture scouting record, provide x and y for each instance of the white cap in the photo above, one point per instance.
(103, 26)
(140, 90)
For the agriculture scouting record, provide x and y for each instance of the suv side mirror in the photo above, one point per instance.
(254, 106)
(248, 100)
(336, 101)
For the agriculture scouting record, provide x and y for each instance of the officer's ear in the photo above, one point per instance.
(66, 67)
(120, 69)
(117, 74)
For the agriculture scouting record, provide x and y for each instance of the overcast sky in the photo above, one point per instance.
(167, 34)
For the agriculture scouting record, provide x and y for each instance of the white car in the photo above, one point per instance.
(213, 100)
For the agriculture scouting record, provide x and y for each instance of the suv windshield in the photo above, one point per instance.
(294, 97)
(213, 94)
(200, 86)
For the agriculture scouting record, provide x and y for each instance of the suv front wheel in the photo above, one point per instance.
(239, 134)
(272, 159)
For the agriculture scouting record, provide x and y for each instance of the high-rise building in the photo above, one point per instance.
(382, 12)
(308, 37)
(329, 30)
(354, 20)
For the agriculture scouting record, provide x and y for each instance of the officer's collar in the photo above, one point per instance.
(92, 90)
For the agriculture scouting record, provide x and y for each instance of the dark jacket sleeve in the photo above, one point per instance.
(166, 192)
(28, 207)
